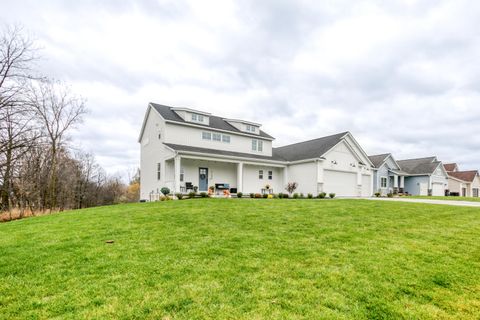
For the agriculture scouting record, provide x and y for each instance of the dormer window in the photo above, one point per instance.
(197, 117)
(251, 128)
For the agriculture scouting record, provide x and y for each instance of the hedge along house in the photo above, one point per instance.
(424, 176)
(182, 148)
(462, 183)
(388, 176)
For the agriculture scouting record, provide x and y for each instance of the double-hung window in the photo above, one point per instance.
(270, 175)
(260, 174)
(225, 138)
(216, 137)
(257, 145)
(194, 117)
(206, 135)
(182, 174)
(383, 182)
(159, 172)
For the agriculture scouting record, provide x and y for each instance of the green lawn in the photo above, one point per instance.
(244, 259)
(447, 198)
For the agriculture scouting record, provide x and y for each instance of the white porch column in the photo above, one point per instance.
(402, 182)
(285, 176)
(395, 181)
(177, 165)
(240, 177)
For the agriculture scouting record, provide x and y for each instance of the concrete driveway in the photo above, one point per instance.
(431, 201)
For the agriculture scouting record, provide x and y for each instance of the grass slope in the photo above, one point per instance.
(472, 199)
(244, 259)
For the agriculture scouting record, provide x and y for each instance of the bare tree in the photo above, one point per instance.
(58, 111)
(17, 54)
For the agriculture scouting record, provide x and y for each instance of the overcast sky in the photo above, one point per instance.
(403, 77)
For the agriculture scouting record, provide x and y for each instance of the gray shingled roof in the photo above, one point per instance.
(215, 122)
(419, 166)
(378, 159)
(308, 149)
(178, 147)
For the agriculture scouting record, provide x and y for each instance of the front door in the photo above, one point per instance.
(464, 192)
(203, 179)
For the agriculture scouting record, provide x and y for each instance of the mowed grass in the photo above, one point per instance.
(244, 259)
(471, 199)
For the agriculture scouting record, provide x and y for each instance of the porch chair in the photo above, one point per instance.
(188, 186)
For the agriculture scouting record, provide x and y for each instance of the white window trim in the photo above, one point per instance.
(226, 136)
(386, 182)
(206, 133)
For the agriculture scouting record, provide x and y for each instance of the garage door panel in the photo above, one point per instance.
(438, 189)
(366, 186)
(341, 183)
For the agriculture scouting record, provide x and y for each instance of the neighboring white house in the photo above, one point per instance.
(183, 148)
(462, 183)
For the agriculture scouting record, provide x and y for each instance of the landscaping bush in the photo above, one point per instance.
(165, 191)
(390, 195)
(265, 196)
(258, 196)
(377, 194)
(291, 187)
(252, 195)
(239, 195)
(280, 195)
(332, 195)
(302, 196)
(191, 195)
(203, 194)
(179, 195)
(270, 196)
(322, 195)
(310, 196)
(285, 195)
(295, 196)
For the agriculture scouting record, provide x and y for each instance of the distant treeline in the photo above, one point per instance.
(39, 170)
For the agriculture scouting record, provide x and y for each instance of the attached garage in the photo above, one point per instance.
(343, 184)
(366, 186)
(438, 189)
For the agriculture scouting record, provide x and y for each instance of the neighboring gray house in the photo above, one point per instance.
(388, 176)
(425, 176)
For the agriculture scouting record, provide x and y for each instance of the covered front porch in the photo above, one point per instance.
(394, 183)
(187, 173)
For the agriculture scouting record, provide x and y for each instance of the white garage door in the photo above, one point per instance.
(366, 186)
(438, 189)
(343, 184)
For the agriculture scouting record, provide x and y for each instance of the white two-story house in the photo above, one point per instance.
(182, 148)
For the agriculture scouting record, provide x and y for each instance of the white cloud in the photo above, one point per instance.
(401, 75)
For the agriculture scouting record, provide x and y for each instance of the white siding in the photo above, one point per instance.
(252, 183)
(191, 136)
(305, 175)
(152, 152)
